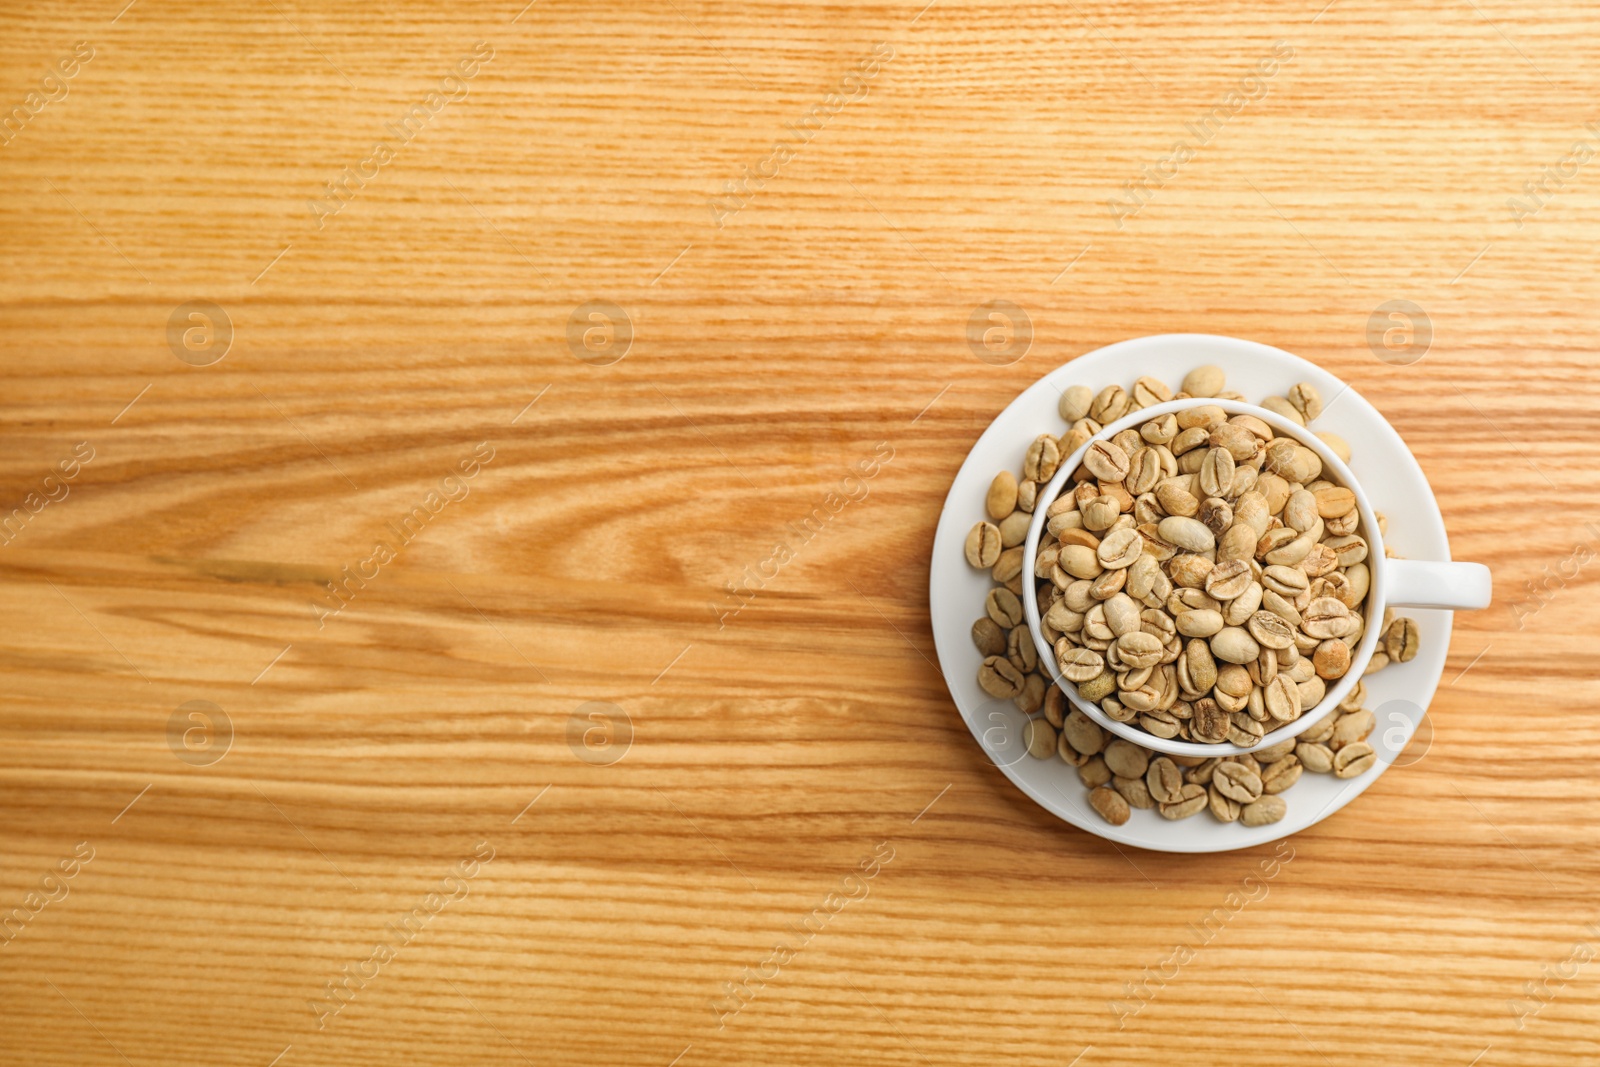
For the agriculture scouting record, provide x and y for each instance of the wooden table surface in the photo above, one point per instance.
(413, 787)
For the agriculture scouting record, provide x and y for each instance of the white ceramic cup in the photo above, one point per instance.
(1397, 583)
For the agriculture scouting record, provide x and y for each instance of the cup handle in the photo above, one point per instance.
(1417, 583)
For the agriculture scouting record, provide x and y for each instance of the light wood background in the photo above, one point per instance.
(772, 754)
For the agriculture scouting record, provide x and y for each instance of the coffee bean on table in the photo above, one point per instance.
(1074, 403)
(1400, 640)
(1109, 405)
(1204, 381)
(1004, 608)
(1237, 782)
(1307, 400)
(1084, 734)
(1027, 495)
(1094, 772)
(1134, 791)
(1148, 392)
(999, 678)
(1351, 727)
(1040, 737)
(1314, 757)
(1224, 808)
(1336, 444)
(1280, 774)
(1002, 498)
(1191, 800)
(989, 637)
(1110, 804)
(1263, 812)
(1164, 780)
(1040, 463)
(1126, 759)
(1353, 759)
(983, 545)
(1014, 529)
(1007, 565)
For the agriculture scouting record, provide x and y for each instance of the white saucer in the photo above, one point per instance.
(1398, 695)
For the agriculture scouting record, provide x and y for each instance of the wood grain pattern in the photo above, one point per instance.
(771, 753)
